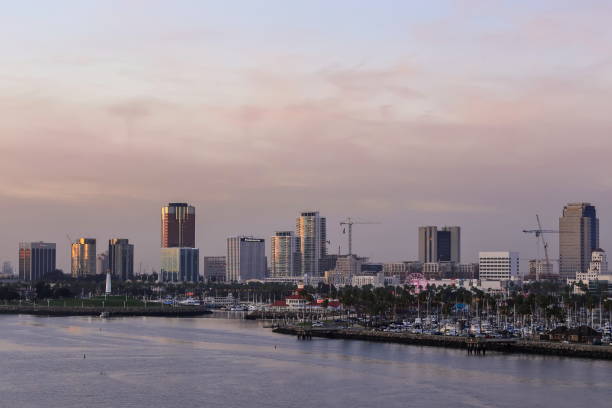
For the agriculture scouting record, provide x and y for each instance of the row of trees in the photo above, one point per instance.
(544, 302)
(540, 301)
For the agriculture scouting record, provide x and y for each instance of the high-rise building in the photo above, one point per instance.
(178, 226)
(36, 259)
(214, 268)
(83, 257)
(578, 238)
(439, 245)
(102, 263)
(428, 244)
(179, 265)
(246, 259)
(284, 255)
(121, 259)
(311, 231)
(499, 266)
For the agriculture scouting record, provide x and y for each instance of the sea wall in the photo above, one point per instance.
(516, 346)
(112, 311)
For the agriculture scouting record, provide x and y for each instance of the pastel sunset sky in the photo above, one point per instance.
(472, 113)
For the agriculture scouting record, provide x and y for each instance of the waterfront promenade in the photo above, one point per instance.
(457, 342)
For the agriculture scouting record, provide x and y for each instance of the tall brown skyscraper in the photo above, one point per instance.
(578, 238)
(178, 226)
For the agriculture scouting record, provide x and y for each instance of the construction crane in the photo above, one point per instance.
(349, 222)
(539, 234)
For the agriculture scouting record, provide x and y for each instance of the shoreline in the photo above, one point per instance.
(112, 311)
(508, 346)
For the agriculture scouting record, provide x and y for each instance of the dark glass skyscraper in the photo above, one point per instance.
(178, 226)
(36, 259)
(121, 259)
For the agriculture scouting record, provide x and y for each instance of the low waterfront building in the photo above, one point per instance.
(336, 278)
(500, 266)
(349, 265)
(437, 270)
(467, 271)
(539, 269)
(214, 268)
(284, 279)
(376, 280)
(582, 334)
(221, 301)
(398, 269)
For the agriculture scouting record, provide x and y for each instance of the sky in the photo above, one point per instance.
(470, 112)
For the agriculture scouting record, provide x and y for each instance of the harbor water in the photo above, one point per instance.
(220, 361)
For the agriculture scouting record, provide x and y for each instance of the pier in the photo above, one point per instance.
(304, 334)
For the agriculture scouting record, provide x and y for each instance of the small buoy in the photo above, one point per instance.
(83, 355)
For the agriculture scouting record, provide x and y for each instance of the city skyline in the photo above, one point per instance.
(470, 258)
(388, 116)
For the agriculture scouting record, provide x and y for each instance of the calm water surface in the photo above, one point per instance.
(206, 362)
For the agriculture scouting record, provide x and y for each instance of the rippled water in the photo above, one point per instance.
(206, 362)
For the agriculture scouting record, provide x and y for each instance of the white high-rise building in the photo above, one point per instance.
(311, 231)
(499, 266)
(246, 259)
(284, 256)
(597, 267)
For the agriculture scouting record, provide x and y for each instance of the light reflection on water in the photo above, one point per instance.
(162, 362)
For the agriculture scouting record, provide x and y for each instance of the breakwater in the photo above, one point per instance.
(118, 311)
(499, 345)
